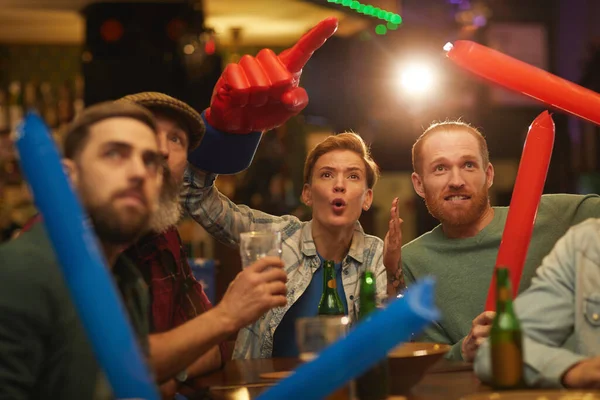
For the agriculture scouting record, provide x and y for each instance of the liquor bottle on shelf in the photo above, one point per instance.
(30, 100)
(78, 102)
(49, 111)
(65, 110)
(15, 105)
(4, 122)
(65, 104)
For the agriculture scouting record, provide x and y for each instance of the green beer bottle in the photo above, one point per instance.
(373, 384)
(506, 337)
(330, 303)
(368, 295)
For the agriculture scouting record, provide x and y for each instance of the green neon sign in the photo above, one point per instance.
(369, 10)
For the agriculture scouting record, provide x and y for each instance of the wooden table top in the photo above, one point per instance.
(241, 380)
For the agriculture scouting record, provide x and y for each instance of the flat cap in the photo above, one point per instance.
(190, 118)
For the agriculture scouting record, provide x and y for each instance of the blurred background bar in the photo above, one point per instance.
(383, 80)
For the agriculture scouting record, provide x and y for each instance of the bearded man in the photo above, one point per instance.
(175, 296)
(453, 173)
(112, 159)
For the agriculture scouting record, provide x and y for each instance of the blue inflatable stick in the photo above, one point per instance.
(83, 265)
(362, 348)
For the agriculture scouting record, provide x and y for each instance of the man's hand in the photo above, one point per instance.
(392, 246)
(253, 292)
(480, 330)
(393, 239)
(583, 375)
(261, 93)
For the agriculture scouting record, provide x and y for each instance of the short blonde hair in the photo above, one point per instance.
(448, 126)
(343, 141)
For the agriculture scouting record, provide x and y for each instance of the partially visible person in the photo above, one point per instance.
(241, 109)
(100, 157)
(339, 176)
(44, 352)
(453, 174)
(224, 139)
(10, 231)
(563, 299)
(176, 296)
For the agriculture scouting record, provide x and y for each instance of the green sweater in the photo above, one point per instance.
(44, 351)
(463, 267)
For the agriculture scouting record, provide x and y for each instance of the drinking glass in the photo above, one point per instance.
(313, 334)
(255, 245)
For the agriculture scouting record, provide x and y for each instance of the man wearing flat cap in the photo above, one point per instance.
(176, 297)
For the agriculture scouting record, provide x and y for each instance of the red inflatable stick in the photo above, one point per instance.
(524, 203)
(525, 78)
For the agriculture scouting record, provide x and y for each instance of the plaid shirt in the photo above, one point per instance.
(175, 296)
(225, 221)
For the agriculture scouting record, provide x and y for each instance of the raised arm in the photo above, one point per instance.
(392, 253)
(221, 217)
(253, 96)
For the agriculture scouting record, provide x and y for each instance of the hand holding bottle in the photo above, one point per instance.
(480, 330)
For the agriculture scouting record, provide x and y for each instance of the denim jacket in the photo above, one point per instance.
(225, 220)
(563, 301)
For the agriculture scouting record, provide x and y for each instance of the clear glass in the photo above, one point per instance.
(256, 245)
(313, 334)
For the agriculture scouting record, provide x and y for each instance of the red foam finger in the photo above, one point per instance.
(281, 79)
(237, 86)
(297, 56)
(258, 80)
(295, 100)
(524, 203)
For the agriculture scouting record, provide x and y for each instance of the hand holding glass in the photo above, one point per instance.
(256, 245)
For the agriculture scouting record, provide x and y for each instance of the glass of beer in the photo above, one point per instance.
(255, 245)
(313, 334)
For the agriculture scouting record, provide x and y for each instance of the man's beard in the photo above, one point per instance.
(479, 203)
(169, 209)
(111, 225)
(112, 228)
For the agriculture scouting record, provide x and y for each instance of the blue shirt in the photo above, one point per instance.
(284, 340)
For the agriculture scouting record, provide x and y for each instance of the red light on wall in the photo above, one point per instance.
(210, 47)
(175, 29)
(111, 30)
